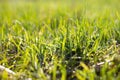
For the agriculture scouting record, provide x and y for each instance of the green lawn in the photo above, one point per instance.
(60, 39)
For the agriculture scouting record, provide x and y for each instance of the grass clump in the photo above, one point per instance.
(60, 40)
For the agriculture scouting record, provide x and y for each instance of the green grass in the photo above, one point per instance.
(60, 40)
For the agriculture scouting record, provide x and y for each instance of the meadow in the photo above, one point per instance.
(60, 39)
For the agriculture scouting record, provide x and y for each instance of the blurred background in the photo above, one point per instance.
(37, 10)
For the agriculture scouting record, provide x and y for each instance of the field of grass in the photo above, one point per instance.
(60, 39)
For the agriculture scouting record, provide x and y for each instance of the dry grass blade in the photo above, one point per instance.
(10, 72)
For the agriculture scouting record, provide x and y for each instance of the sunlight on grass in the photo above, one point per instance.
(60, 40)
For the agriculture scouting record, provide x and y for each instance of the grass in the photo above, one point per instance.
(60, 40)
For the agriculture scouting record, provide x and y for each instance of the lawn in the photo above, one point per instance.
(60, 40)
